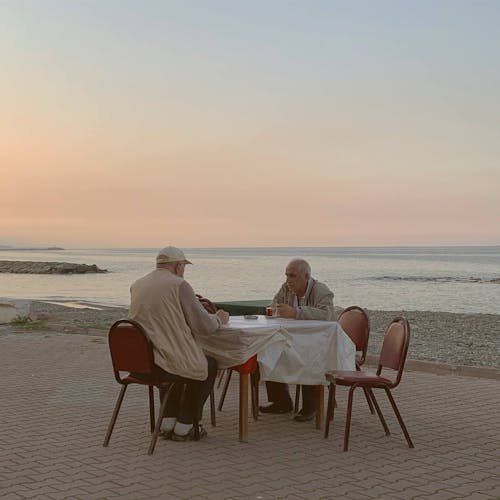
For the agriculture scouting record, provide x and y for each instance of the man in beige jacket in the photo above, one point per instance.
(300, 297)
(168, 309)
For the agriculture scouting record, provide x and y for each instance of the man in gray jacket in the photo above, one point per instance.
(300, 297)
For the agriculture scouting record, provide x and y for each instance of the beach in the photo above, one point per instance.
(470, 340)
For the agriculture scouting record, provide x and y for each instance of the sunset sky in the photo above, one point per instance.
(249, 123)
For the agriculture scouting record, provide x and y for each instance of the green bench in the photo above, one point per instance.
(242, 307)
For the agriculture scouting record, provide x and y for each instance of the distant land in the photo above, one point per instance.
(32, 249)
(28, 267)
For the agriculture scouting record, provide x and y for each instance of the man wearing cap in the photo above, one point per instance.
(300, 297)
(168, 309)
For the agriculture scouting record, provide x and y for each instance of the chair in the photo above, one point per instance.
(392, 356)
(252, 368)
(132, 351)
(355, 322)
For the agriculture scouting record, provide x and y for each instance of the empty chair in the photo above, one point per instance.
(392, 357)
(132, 352)
(355, 322)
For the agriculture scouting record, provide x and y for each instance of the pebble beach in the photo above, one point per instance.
(471, 340)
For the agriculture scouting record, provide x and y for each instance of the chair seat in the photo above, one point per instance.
(248, 367)
(357, 377)
(138, 378)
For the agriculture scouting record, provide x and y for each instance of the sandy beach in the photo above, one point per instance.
(455, 339)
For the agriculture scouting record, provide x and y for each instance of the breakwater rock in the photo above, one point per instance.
(29, 267)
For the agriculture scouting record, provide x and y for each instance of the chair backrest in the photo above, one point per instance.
(131, 350)
(395, 347)
(355, 322)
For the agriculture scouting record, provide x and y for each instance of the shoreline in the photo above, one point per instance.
(452, 339)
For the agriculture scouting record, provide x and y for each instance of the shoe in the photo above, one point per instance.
(304, 416)
(276, 408)
(190, 435)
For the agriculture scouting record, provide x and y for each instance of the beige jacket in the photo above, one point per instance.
(166, 306)
(317, 302)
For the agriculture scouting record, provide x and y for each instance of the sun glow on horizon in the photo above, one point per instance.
(262, 124)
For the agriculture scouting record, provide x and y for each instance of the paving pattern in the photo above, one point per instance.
(58, 393)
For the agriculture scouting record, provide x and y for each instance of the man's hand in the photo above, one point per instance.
(286, 311)
(223, 316)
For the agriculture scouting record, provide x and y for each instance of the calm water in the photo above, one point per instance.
(453, 279)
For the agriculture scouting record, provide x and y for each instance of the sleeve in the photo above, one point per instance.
(280, 297)
(198, 319)
(322, 308)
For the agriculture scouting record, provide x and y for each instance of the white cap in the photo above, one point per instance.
(171, 254)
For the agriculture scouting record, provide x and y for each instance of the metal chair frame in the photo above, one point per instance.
(393, 356)
(128, 335)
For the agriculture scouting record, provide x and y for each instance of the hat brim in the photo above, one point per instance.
(166, 260)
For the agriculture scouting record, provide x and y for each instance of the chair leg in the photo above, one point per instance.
(297, 399)
(379, 413)
(221, 376)
(156, 431)
(212, 408)
(151, 409)
(115, 415)
(330, 408)
(400, 419)
(224, 390)
(348, 418)
(368, 400)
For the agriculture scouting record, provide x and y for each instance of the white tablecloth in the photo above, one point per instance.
(288, 350)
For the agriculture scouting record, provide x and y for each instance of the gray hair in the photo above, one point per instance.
(303, 266)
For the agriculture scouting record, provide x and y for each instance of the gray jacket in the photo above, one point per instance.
(317, 302)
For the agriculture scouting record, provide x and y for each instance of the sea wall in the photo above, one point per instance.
(29, 267)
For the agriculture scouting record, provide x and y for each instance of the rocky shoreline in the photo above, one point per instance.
(30, 267)
(455, 339)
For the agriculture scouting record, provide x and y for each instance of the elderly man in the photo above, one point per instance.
(300, 297)
(168, 309)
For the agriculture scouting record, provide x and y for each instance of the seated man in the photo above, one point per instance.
(168, 309)
(300, 297)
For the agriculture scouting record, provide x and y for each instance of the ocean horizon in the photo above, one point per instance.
(458, 279)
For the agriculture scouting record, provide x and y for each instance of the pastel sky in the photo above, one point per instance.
(249, 123)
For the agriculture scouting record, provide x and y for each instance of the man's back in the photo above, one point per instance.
(156, 305)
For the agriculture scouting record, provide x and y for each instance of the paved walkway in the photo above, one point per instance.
(58, 392)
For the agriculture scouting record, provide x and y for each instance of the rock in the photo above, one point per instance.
(29, 267)
(7, 313)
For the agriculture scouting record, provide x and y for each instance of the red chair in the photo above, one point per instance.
(251, 367)
(355, 322)
(392, 356)
(132, 351)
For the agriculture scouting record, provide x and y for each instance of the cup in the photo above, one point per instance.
(269, 311)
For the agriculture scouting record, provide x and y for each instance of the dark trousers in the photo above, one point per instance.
(182, 397)
(279, 393)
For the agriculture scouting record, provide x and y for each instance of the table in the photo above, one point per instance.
(288, 350)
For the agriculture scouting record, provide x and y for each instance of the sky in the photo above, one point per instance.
(249, 123)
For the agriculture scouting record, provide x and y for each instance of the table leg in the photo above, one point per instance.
(320, 405)
(243, 424)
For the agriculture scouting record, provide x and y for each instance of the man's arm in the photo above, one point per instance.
(198, 319)
(323, 305)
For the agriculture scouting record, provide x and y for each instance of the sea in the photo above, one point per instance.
(452, 279)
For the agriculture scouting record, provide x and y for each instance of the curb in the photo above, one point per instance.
(418, 365)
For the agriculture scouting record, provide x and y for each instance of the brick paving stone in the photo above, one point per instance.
(70, 397)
